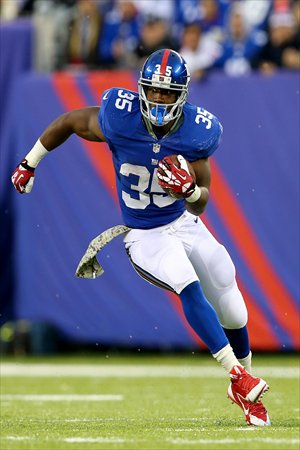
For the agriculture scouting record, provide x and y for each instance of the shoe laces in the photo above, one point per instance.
(240, 374)
(257, 409)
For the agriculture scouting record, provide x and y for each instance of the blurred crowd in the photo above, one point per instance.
(233, 36)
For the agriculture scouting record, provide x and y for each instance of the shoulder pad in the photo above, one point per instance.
(206, 131)
(117, 109)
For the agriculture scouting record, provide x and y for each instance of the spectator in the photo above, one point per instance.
(282, 49)
(281, 6)
(163, 9)
(291, 55)
(26, 7)
(155, 34)
(119, 36)
(296, 15)
(10, 10)
(52, 20)
(84, 34)
(256, 13)
(213, 16)
(186, 12)
(200, 51)
(241, 44)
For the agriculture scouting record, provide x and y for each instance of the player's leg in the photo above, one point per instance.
(193, 298)
(217, 274)
(204, 320)
(239, 340)
(160, 258)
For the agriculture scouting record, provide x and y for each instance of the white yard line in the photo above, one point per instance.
(17, 438)
(178, 441)
(234, 441)
(133, 371)
(110, 440)
(107, 440)
(61, 398)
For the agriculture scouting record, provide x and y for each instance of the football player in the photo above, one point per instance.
(161, 198)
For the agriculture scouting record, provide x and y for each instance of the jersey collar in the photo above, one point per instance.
(174, 127)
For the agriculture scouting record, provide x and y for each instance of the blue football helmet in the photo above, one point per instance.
(164, 69)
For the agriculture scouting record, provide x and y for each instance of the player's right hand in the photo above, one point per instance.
(23, 177)
(174, 175)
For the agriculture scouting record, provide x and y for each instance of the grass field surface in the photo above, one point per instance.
(142, 402)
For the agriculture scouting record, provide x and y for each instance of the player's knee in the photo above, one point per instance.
(221, 268)
(236, 321)
(234, 314)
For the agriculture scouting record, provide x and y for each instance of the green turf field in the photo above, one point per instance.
(141, 402)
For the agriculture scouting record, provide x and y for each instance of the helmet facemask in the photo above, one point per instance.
(159, 114)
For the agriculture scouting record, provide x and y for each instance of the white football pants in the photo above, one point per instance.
(184, 251)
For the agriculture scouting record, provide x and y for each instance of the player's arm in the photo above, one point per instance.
(82, 122)
(203, 177)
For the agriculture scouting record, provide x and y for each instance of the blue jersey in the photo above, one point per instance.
(136, 153)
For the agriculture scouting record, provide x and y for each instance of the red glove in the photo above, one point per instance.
(176, 179)
(23, 177)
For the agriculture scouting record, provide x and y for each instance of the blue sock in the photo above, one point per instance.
(239, 341)
(202, 317)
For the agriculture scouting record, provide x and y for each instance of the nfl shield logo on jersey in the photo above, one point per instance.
(156, 148)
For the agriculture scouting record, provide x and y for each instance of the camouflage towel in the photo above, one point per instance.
(89, 266)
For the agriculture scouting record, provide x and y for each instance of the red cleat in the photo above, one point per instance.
(246, 386)
(255, 413)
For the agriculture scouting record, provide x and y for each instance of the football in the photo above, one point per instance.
(175, 161)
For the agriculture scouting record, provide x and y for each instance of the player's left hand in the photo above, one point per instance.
(177, 179)
(23, 177)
